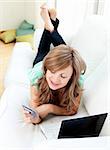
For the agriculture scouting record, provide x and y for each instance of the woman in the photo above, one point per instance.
(56, 82)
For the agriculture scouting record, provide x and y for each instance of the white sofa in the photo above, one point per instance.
(92, 42)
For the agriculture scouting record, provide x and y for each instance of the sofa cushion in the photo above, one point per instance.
(11, 118)
(20, 32)
(37, 36)
(21, 61)
(25, 38)
(8, 36)
(95, 90)
(91, 41)
(95, 93)
(26, 25)
(21, 134)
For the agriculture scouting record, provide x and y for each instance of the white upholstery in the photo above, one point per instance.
(37, 37)
(14, 132)
(12, 126)
(94, 95)
(91, 41)
(21, 60)
(100, 143)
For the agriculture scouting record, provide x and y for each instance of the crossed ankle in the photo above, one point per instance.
(50, 27)
(55, 23)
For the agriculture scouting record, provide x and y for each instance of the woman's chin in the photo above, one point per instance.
(53, 88)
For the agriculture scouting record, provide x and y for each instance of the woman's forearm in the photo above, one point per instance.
(46, 109)
(57, 110)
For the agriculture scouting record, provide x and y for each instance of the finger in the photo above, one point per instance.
(28, 120)
(27, 114)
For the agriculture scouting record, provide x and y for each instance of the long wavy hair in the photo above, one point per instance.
(57, 59)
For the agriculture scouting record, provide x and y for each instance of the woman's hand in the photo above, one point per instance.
(28, 118)
(42, 110)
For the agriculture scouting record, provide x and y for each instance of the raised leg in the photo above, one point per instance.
(56, 38)
(44, 46)
(50, 33)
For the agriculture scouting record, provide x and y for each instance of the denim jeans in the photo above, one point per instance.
(46, 39)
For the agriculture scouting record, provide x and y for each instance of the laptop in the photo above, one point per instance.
(82, 127)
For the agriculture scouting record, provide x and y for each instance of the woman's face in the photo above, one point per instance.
(59, 79)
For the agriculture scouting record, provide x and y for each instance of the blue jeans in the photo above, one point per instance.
(46, 39)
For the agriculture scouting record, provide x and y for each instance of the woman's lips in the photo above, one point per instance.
(54, 84)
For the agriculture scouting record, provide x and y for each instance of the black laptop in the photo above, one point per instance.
(82, 127)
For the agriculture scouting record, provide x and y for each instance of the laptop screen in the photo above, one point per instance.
(82, 127)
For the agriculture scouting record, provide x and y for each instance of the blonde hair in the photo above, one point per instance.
(57, 59)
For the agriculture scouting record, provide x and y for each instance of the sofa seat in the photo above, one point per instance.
(92, 143)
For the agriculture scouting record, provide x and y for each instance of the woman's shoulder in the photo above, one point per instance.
(81, 80)
(35, 73)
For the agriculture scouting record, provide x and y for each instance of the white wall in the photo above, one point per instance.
(31, 11)
(73, 12)
(107, 9)
(50, 3)
(11, 13)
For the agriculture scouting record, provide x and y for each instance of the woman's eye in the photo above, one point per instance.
(63, 77)
(52, 72)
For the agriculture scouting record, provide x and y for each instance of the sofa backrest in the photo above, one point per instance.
(95, 97)
(91, 42)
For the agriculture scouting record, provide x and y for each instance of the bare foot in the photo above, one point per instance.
(52, 14)
(46, 18)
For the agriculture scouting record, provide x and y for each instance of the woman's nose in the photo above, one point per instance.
(56, 79)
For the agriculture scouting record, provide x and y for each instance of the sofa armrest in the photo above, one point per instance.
(21, 60)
